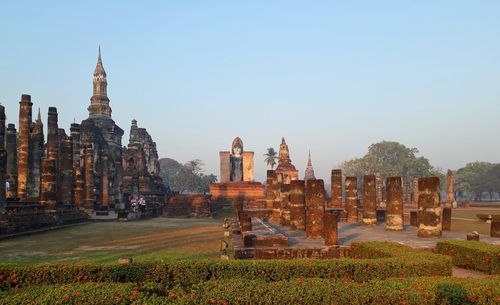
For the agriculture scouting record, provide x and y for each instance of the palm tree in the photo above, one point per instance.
(271, 157)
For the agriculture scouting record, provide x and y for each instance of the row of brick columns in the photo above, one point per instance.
(54, 176)
(303, 206)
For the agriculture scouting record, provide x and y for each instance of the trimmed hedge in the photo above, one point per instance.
(472, 254)
(424, 290)
(372, 260)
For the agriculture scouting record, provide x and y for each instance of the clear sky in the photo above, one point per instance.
(329, 76)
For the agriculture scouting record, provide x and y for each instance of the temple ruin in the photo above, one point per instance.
(297, 215)
(87, 170)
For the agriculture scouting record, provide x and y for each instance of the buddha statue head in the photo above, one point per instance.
(237, 147)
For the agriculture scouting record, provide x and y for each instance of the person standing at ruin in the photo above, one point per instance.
(133, 203)
(142, 204)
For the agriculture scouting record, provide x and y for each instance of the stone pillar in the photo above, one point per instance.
(450, 198)
(66, 179)
(48, 183)
(351, 198)
(330, 231)
(446, 222)
(297, 205)
(105, 181)
(315, 207)
(336, 200)
(394, 210)
(11, 148)
(369, 200)
(225, 166)
(89, 178)
(23, 148)
(429, 209)
(3, 157)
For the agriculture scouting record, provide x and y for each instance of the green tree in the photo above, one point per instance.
(187, 178)
(390, 159)
(271, 157)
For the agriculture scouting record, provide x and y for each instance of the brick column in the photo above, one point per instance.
(336, 187)
(495, 228)
(48, 183)
(105, 181)
(351, 200)
(429, 209)
(415, 193)
(450, 198)
(245, 221)
(394, 210)
(370, 200)
(446, 222)
(379, 185)
(272, 189)
(284, 200)
(315, 206)
(11, 148)
(3, 156)
(34, 160)
(65, 170)
(89, 178)
(23, 148)
(330, 231)
(297, 205)
(78, 193)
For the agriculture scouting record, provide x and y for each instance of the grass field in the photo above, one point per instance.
(152, 239)
(470, 222)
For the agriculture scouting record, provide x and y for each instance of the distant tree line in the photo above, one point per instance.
(185, 178)
(478, 179)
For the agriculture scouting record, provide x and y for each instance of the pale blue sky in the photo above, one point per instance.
(330, 76)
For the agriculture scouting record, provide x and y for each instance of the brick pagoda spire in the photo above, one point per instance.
(309, 173)
(99, 102)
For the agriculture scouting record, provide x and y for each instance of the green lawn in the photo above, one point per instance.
(472, 223)
(152, 239)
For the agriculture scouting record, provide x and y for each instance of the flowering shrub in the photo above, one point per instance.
(472, 254)
(422, 290)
